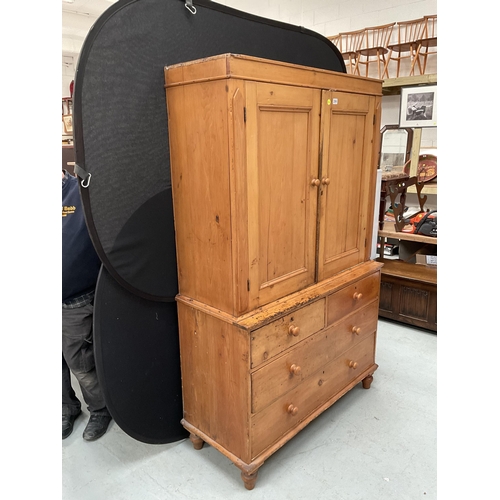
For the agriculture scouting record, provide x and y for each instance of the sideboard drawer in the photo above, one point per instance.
(287, 371)
(285, 332)
(354, 327)
(290, 409)
(352, 297)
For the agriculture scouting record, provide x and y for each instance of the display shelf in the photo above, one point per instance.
(408, 291)
(390, 232)
(411, 272)
(392, 86)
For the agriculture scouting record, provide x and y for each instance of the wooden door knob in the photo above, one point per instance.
(293, 410)
(315, 182)
(325, 181)
(356, 330)
(353, 364)
(357, 295)
(293, 330)
(295, 369)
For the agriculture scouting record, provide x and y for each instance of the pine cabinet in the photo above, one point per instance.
(272, 181)
(273, 170)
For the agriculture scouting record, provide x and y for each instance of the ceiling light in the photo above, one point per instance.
(69, 1)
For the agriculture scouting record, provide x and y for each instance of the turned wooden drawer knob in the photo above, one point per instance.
(315, 182)
(293, 410)
(325, 181)
(295, 369)
(293, 330)
(357, 295)
(353, 364)
(356, 330)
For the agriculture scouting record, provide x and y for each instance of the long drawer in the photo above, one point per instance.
(288, 371)
(289, 410)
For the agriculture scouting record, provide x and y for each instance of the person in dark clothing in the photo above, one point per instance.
(80, 269)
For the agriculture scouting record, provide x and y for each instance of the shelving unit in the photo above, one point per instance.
(392, 86)
(68, 154)
(408, 291)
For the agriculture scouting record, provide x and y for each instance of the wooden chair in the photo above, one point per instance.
(427, 44)
(348, 44)
(406, 46)
(374, 48)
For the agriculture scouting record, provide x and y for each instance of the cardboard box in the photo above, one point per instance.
(426, 260)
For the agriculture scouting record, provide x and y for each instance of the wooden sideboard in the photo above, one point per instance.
(408, 292)
(273, 179)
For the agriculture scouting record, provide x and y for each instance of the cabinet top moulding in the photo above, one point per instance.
(392, 86)
(244, 67)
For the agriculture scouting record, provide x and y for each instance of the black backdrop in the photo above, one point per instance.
(122, 157)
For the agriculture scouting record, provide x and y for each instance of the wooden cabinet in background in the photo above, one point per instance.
(408, 292)
(273, 179)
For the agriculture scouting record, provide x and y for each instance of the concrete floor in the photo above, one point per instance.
(372, 444)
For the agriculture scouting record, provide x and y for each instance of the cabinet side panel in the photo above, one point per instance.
(200, 185)
(215, 380)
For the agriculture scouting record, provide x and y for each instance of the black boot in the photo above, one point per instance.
(96, 427)
(67, 424)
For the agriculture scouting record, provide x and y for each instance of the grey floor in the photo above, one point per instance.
(372, 444)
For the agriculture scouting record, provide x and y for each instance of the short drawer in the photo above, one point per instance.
(290, 409)
(352, 298)
(356, 326)
(285, 332)
(288, 371)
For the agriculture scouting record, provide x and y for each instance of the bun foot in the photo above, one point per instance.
(367, 382)
(197, 441)
(249, 480)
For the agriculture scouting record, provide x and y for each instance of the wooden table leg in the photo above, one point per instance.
(197, 441)
(249, 479)
(367, 382)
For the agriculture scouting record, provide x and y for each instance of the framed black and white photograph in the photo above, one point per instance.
(418, 107)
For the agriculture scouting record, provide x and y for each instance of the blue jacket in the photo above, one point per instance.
(80, 263)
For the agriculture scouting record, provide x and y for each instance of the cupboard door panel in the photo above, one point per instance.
(346, 181)
(282, 127)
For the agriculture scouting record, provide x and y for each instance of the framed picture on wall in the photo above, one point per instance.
(418, 107)
(68, 124)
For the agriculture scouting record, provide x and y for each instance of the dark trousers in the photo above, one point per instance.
(78, 356)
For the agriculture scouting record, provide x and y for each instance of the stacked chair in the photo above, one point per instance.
(403, 47)
(427, 44)
(409, 32)
(374, 49)
(349, 44)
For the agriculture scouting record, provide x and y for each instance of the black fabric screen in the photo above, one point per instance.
(121, 140)
(120, 120)
(138, 365)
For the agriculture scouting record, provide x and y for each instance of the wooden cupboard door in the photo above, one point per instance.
(282, 137)
(347, 181)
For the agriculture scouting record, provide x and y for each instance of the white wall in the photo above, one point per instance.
(327, 17)
(330, 17)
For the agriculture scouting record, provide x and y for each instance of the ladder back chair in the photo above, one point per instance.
(348, 44)
(427, 44)
(408, 32)
(374, 48)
